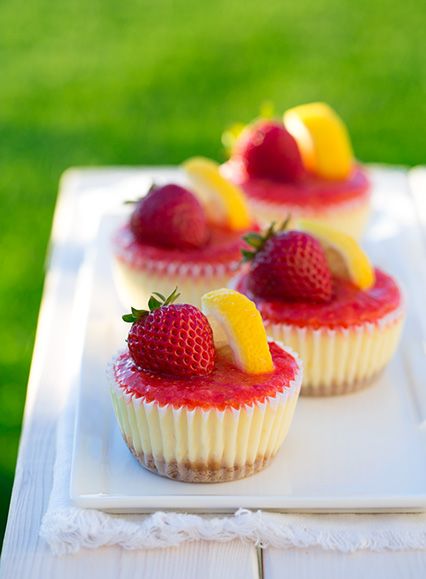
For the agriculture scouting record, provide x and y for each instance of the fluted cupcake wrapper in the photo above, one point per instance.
(350, 217)
(136, 284)
(198, 445)
(343, 360)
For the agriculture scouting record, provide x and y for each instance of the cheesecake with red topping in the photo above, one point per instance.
(317, 291)
(303, 166)
(185, 236)
(203, 397)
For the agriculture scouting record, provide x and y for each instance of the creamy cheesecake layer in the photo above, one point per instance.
(338, 361)
(141, 268)
(197, 445)
(135, 285)
(350, 217)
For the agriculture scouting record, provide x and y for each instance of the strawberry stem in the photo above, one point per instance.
(134, 316)
(258, 240)
(134, 201)
(155, 302)
(267, 110)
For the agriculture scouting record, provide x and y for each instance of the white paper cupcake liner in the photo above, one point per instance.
(135, 285)
(205, 445)
(339, 361)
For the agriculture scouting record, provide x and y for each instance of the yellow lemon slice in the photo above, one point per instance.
(224, 202)
(322, 138)
(236, 319)
(345, 257)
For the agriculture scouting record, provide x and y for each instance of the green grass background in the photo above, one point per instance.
(137, 82)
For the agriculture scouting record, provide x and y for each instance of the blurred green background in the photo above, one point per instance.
(105, 82)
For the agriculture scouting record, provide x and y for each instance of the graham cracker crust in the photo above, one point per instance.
(337, 389)
(197, 472)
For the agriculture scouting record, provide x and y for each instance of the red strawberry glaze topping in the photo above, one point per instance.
(349, 306)
(223, 248)
(225, 387)
(312, 192)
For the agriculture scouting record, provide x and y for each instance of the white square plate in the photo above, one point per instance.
(360, 452)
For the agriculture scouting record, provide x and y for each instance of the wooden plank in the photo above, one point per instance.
(189, 561)
(24, 553)
(201, 559)
(409, 256)
(316, 564)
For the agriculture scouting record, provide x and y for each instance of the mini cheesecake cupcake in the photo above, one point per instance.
(303, 166)
(176, 236)
(194, 410)
(317, 292)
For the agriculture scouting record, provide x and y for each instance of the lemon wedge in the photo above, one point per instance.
(236, 319)
(322, 138)
(224, 202)
(344, 255)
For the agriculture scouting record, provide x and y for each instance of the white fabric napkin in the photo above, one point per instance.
(67, 528)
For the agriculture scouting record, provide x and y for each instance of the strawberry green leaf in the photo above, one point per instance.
(134, 316)
(172, 297)
(162, 298)
(128, 318)
(267, 110)
(151, 187)
(248, 255)
(158, 300)
(138, 313)
(254, 239)
(284, 225)
(154, 304)
(258, 240)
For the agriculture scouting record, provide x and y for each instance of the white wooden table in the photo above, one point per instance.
(25, 555)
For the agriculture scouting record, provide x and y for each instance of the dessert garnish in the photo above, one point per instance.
(345, 257)
(237, 322)
(310, 140)
(224, 202)
(197, 411)
(232, 132)
(170, 216)
(169, 338)
(268, 151)
(322, 138)
(288, 265)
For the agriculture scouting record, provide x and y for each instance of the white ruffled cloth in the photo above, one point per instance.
(68, 529)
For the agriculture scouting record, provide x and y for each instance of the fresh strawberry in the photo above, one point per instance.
(174, 339)
(269, 151)
(289, 265)
(170, 216)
